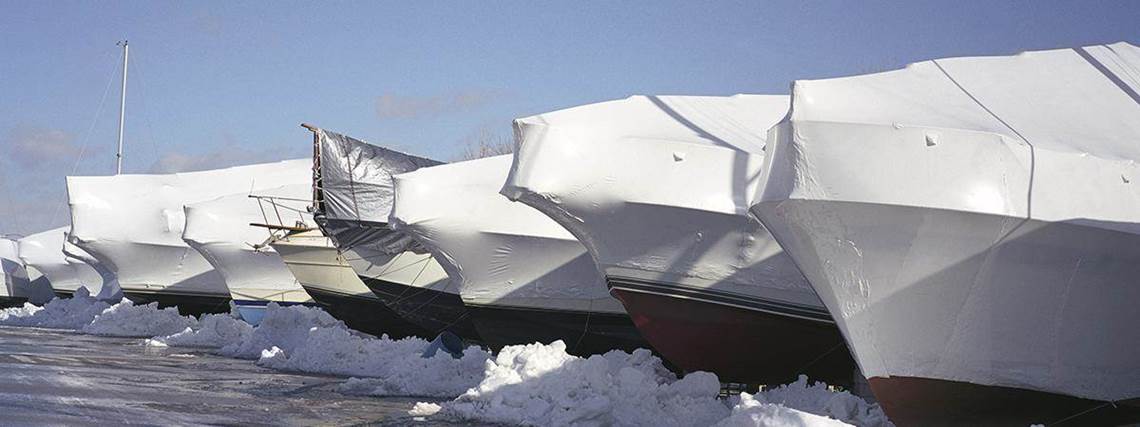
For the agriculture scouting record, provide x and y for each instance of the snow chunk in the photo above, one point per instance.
(753, 412)
(817, 399)
(213, 331)
(540, 384)
(125, 319)
(71, 313)
(424, 409)
(284, 327)
(395, 368)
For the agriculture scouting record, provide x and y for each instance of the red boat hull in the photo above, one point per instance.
(698, 333)
(909, 401)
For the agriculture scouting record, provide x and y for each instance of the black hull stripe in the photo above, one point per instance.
(718, 297)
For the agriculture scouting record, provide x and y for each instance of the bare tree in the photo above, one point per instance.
(487, 143)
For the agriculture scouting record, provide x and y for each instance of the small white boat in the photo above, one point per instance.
(522, 277)
(16, 288)
(221, 231)
(133, 225)
(657, 188)
(352, 202)
(43, 252)
(973, 225)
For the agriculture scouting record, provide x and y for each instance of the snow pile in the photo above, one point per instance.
(282, 327)
(754, 412)
(212, 331)
(71, 313)
(540, 384)
(816, 399)
(394, 368)
(126, 319)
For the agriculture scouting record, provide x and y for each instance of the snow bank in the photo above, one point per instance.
(393, 367)
(126, 319)
(213, 331)
(543, 385)
(282, 327)
(71, 313)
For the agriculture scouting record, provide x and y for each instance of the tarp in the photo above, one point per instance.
(973, 219)
(356, 177)
(220, 231)
(133, 223)
(503, 253)
(44, 252)
(658, 188)
(14, 280)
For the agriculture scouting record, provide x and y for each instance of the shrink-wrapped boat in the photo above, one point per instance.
(973, 226)
(222, 231)
(133, 225)
(352, 201)
(657, 188)
(16, 287)
(43, 251)
(522, 276)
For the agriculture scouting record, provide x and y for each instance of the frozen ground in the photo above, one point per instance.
(63, 377)
(155, 366)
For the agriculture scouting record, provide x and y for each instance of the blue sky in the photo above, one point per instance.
(220, 83)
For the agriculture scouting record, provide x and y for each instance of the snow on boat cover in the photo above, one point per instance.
(254, 273)
(658, 190)
(16, 288)
(973, 224)
(133, 224)
(43, 251)
(353, 200)
(522, 276)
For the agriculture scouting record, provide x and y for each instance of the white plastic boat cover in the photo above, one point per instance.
(502, 253)
(133, 223)
(14, 280)
(658, 188)
(973, 219)
(220, 231)
(44, 252)
(92, 271)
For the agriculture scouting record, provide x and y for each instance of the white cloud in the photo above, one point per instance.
(36, 145)
(390, 106)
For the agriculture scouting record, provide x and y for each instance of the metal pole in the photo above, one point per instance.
(122, 109)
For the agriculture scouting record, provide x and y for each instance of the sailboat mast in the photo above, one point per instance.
(122, 109)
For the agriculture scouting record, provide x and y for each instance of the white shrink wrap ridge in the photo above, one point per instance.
(658, 188)
(520, 274)
(133, 224)
(972, 223)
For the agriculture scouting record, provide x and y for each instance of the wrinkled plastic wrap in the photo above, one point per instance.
(133, 224)
(220, 231)
(44, 252)
(14, 276)
(973, 219)
(657, 188)
(502, 253)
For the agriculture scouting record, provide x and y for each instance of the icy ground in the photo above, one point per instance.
(536, 384)
(50, 377)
